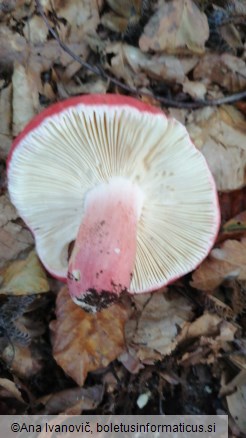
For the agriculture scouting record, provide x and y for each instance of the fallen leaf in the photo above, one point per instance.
(114, 22)
(226, 262)
(94, 85)
(205, 325)
(151, 332)
(5, 121)
(232, 36)
(178, 26)
(232, 203)
(210, 335)
(220, 134)
(13, 237)
(93, 341)
(23, 277)
(17, 9)
(72, 401)
(129, 63)
(25, 98)
(232, 385)
(24, 361)
(82, 17)
(36, 30)
(226, 70)
(11, 389)
(196, 90)
(237, 407)
(125, 8)
(13, 47)
(126, 15)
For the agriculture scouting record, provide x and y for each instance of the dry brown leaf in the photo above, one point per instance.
(8, 7)
(24, 277)
(72, 401)
(114, 22)
(231, 204)
(82, 17)
(124, 7)
(153, 328)
(13, 47)
(25, 361)
(13, 237)
(196, 90)
(7, 211)
(17, 9)
(35, 30)
(237, 407)
(25, 97)
(231, 35)
(9, 389)
(226, 70)
(212, 335)
(126, 15)
(92, 341)
(226, 262)
(5, 121)
(220, 134)
(178, 26)
(95, 85)
(205, 325)
(134, 67)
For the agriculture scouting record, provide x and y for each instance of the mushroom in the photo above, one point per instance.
(125, 183)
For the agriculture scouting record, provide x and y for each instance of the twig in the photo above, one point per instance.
(99, 71)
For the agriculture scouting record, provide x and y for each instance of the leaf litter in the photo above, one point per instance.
(164, 348)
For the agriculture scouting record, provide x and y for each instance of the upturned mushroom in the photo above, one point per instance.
(125, 183)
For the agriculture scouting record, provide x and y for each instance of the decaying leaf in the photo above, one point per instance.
(232, 203)
(24, 361)
(35, 30)
(207, 325)
(195, 89)
(152, 330)
(23, 277)
(72, 401)
(226, 70)
(126, 15)
(220, 134)
(25, 97)
(125, 7)
(82, 17)
(13, 237)
(9, 389)
(92, 341)
(178, 26)
(5, 121)
(237, 407)
(210, 335)
(226, 262)
(136, 68)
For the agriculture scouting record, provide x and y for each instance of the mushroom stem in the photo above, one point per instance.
(102, 261)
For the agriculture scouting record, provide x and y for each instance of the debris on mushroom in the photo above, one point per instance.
(125, 183)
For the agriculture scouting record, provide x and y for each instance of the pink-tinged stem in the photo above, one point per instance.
(103, 258)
